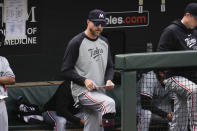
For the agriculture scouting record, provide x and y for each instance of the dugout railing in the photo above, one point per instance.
(129, 64)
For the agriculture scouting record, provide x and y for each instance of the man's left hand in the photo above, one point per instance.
(109, 85)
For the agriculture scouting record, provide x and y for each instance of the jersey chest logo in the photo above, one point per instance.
(95, 52)
(190, 41)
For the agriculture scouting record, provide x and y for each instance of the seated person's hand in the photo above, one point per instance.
(82, 122)
(109, 85)
(90, 85)
(169, 116)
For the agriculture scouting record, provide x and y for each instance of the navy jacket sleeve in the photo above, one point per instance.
(69, 60)
(109, 73)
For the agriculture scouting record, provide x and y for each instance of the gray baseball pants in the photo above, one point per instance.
(185, 103)
(95, 104)
(3, 116)
(144, 119)
(60, 122)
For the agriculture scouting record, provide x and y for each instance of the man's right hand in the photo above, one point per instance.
(169, 116)
(90, 85)
(82, 122)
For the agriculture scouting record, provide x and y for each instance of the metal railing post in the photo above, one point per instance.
(128, 103)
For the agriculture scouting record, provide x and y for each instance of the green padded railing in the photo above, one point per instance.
(130, 63)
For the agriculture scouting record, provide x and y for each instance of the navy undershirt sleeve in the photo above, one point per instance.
(69, 61)
(146, 103)
(109, 73)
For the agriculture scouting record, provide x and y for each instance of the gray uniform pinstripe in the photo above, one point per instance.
(3, 116)
(149, 86)
(185, 103)
(59, 121)
(5, 70)
(96, 105)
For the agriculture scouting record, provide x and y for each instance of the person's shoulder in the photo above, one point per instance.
(170, 30)
(195, 31)
(2, 58)
(103, 38)
(150, 74)
(78, 38)
(173, 26)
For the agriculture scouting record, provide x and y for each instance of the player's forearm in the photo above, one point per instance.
(109, 74)
(155, 110)
(146, 103)
(159, 112)
(7, 80)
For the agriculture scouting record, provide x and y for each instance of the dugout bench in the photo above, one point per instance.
(39, 95)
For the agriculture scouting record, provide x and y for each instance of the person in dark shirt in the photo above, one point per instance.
(60, 109)
(181, 35)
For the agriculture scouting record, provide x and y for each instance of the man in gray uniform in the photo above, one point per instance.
(6, 77)
(88, 64)
(182, 35)
(150, 96)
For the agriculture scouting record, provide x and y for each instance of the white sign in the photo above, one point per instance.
(15, 14)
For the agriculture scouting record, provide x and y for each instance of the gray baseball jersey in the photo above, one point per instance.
(87, 58)
(149, 86)
(90, 59)
(91, 63)
(5, 70)
(185, 103)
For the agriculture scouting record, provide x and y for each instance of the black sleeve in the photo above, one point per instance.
(69, 60)
(172, 104)
(63, 101)
(146, 103)
(167, 41)
(2, 38)
(109, 73)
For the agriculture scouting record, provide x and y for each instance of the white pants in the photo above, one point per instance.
(60, 122)
(144, 119)
(95, 104)
(3, 116)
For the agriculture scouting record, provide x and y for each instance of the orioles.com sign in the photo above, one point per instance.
(127, 19)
